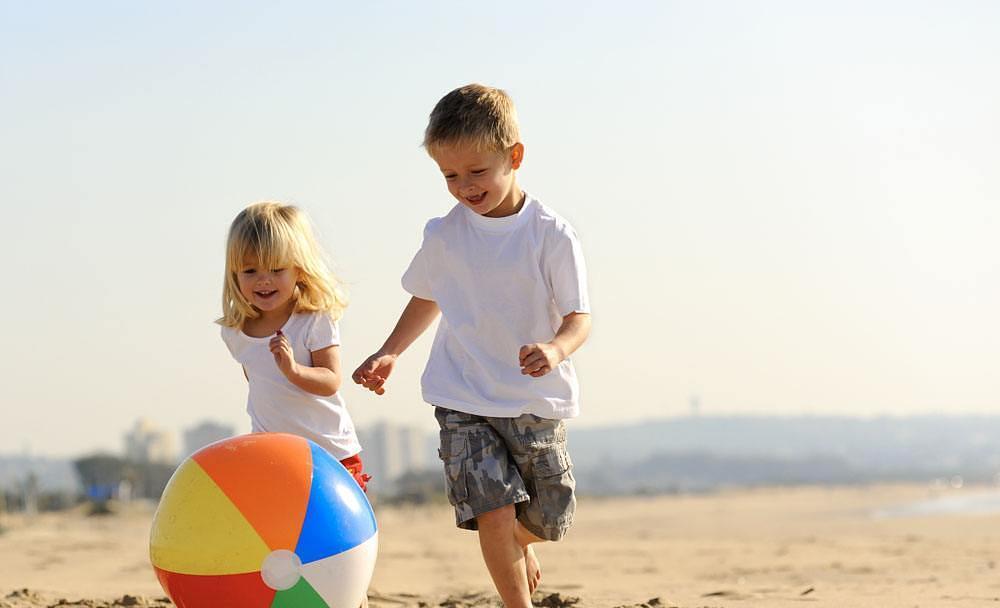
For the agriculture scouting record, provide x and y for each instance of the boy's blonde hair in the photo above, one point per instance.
(278, 236)
(476, 115)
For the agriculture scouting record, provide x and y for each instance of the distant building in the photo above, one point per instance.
(695, 404)
(392, 450)
(146, 443)
(204, 433)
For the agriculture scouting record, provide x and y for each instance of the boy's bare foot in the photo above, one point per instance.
(533, 568)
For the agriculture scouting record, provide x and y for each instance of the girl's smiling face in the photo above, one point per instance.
(266, 289)
(482, 180)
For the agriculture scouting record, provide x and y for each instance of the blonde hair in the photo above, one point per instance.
(475, 114)
(278, 235)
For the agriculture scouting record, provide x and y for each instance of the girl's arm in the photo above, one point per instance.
(322, 378)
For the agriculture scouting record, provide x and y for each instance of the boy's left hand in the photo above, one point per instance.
(282, 351)
(539, 359)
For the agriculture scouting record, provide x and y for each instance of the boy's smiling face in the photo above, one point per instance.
(482, 180)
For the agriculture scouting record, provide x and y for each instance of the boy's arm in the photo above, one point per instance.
(541, 358)
(416, 318)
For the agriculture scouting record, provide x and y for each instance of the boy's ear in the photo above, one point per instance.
(516, 155)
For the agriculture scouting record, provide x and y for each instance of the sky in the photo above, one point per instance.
(787, 208)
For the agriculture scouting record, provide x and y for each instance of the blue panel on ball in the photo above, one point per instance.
(339, 516)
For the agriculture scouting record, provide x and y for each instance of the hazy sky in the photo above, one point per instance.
(786, 207)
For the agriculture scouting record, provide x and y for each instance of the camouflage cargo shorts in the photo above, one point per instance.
(493, 462)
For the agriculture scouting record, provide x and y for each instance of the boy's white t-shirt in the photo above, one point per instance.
(276, 405)
(500, 283)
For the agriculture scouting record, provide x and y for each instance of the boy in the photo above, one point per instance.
(507, 275)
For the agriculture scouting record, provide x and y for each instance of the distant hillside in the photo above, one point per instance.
(704, 452)
(885, 442)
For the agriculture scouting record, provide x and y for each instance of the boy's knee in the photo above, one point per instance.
(504, 516)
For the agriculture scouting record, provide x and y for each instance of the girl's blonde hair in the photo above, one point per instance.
(278, 236)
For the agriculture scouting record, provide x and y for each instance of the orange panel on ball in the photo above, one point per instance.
(267, 480)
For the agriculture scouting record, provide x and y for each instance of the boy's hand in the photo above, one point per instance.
(282, 351)
(373, 373)
(539, 359)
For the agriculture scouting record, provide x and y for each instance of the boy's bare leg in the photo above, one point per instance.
(504, 556)
(531, 566)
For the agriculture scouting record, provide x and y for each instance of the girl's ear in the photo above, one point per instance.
(516, 155)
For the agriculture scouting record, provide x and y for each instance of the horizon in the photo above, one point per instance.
(573, 427)
(670, 455)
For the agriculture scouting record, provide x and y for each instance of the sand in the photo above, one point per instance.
(766, 547)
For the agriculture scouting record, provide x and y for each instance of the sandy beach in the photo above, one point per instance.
(765, 547)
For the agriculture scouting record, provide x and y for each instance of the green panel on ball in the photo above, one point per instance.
(302, 595)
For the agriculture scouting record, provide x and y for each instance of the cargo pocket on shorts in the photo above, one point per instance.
(554, 486)
(454, 453)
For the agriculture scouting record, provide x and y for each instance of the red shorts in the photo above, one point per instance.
(356, 468)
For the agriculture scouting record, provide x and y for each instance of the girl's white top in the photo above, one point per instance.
(500, 283)
(276, 405)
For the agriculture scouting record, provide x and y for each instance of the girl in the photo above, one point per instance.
(280, 307)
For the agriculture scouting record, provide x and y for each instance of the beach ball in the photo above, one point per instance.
(266, 519)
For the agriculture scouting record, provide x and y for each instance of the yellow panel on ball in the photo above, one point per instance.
(206, 534)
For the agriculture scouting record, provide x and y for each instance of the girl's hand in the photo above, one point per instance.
(539, 359)
(373, 373)
(282, 351)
